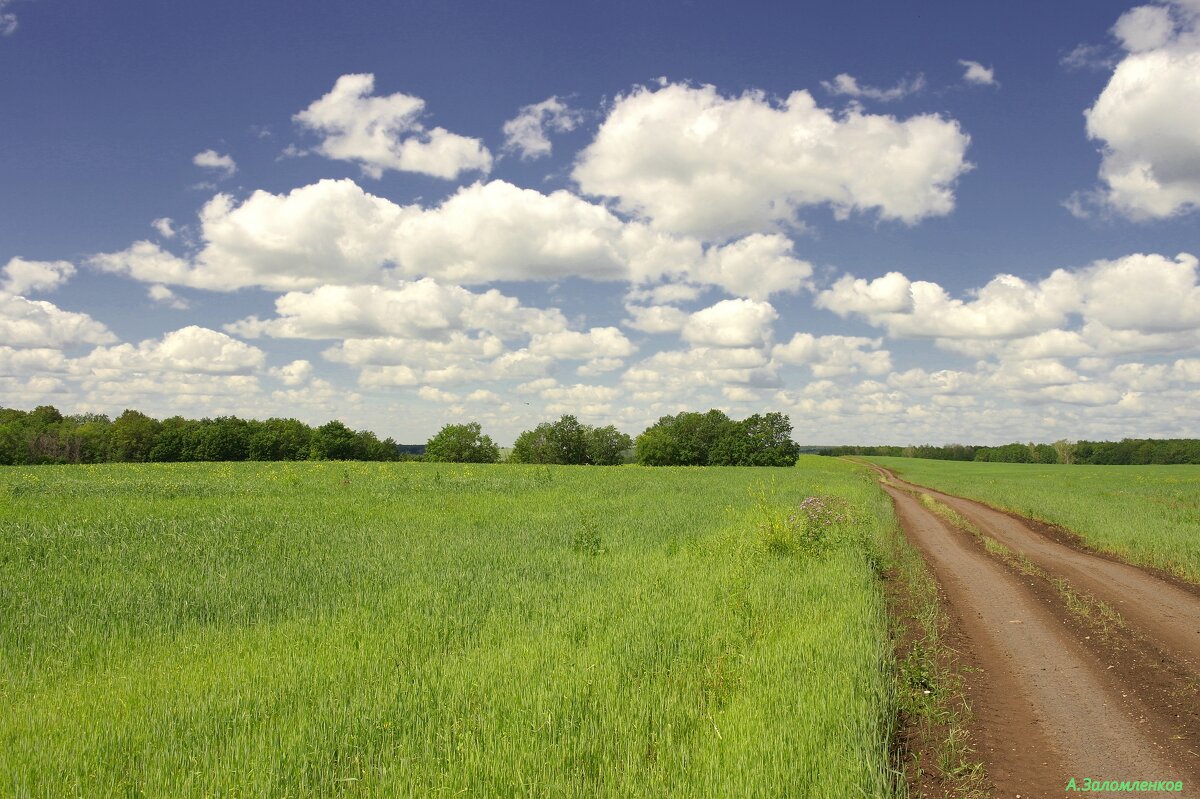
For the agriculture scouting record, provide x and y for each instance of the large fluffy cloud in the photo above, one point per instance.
(695, 161)
(333, 232)
(731, 323)
(420, 309)
(36, 323)
(1144, 300)
(828, 356)
(22, 276)
(192, 349)
(1148, 116)
(424, 332)
(1006, 307)
(381, 133)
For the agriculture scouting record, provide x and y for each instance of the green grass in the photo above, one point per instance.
(1148, 515)
(394, 630)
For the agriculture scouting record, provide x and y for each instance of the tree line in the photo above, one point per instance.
(1126, 452)
(44, 435)
(685, 439)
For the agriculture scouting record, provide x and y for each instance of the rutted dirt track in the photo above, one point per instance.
(1053, 695)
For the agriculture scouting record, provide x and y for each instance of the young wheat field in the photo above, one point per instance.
(413, 630)
(1143, 514)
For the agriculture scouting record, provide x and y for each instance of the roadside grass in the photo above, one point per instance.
(412, 630)
(1148, 515)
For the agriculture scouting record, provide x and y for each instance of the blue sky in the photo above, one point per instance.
(964, 222)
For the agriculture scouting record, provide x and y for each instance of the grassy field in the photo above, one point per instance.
(1145, 514)
(394, 630)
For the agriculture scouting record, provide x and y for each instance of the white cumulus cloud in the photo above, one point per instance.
(420, 309)
(731, 323)
(192, 349)
(22, 276)
(694, 161)
(211, 159)
(1147, 118)
(37, 323)
(828, 356)
(977, 74)
(334, 232)
(386, 132)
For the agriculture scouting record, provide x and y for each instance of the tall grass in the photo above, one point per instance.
(411, 630)
(1148, 515)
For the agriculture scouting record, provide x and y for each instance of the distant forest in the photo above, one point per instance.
(44, 435)
(1126, 452)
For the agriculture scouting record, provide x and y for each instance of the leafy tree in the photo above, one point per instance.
(606, 446)
(333, 441)
(462, 443)
(713, 439)
(568, 441)
(533, 446)
(687, 439)
(132, 436)
(280, 440)
(226, 438)
(769, 440)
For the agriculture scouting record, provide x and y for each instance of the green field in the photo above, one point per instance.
(1145, 514)
(392, 630)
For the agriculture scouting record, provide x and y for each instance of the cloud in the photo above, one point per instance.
(420, 309)
(599, 342)
(1088, 56)
(1004, 308)
(164, 226)
(1148, 293)
(211, 159)
(977, 74)
(334, 232)
(1144, 28)
(526, 133)
(192, 349)
(756, 266)
(1147, 118)
(599, 366)
(296, 373)
(22, 276)
(431, 394)
(455, 348)
(731, 323)
(297, 240)
(849, 86)
(655, 318)
(386, 132)
(829, 356)
(1137, 303)
(693, 161)
(36, 323)
(677, 374)
(8, 20)
(32, 361)
(161, 295)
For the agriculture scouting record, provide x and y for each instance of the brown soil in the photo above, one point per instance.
(1058, 694)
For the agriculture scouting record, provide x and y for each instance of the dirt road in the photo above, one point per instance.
(1060, 692)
